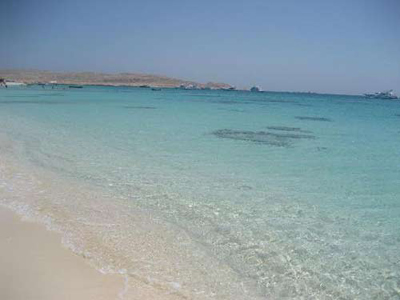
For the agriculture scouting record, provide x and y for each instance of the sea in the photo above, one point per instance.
(211, 194)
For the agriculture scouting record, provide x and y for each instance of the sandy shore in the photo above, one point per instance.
(35, 266)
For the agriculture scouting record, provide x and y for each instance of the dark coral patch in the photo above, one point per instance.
(232, 110)
(33, 102)
(292, 136)
(228, 102)
(279, 101)
(286, 128)
(52, 94)
(21, 96)
(314, 119)
(140, 107)
(262, 137)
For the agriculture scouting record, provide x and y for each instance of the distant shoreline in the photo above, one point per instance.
(103, 79)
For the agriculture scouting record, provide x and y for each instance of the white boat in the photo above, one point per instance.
(14, 83)
(382, 95)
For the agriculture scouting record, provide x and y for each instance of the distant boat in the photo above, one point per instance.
(382, 95)
(156, 89)
(189, 87)
(13, 83)
(75, 86)
(255, 89)
(231, 88)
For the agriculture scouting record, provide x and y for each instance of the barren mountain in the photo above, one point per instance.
(92, 78)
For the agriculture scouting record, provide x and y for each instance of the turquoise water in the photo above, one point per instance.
(263, 195)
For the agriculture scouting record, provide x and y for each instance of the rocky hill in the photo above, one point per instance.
(92, 78)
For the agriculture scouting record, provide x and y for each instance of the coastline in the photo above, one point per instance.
(103, 79)
(149, 258)
(35, 265)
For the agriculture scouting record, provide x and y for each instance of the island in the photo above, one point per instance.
(106, 79)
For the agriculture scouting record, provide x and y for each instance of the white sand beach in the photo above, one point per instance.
(34, 265)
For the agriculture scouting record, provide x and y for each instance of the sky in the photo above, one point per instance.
(341, 46)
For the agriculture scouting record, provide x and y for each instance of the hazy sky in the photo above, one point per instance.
(339, 46)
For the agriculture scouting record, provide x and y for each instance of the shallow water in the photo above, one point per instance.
(214, 194)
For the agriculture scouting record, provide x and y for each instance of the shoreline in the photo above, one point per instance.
(145, 268)
(107, 79)
(35, 265)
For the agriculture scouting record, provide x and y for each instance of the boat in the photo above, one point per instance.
(255, 89)
(188, 87)
(13, 83)
(382, 95)
(75, 86)
(156, 89)
(231, 88)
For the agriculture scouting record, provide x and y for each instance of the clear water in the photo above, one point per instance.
(213, 194)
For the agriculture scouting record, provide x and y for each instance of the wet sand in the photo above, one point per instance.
(34, 265)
